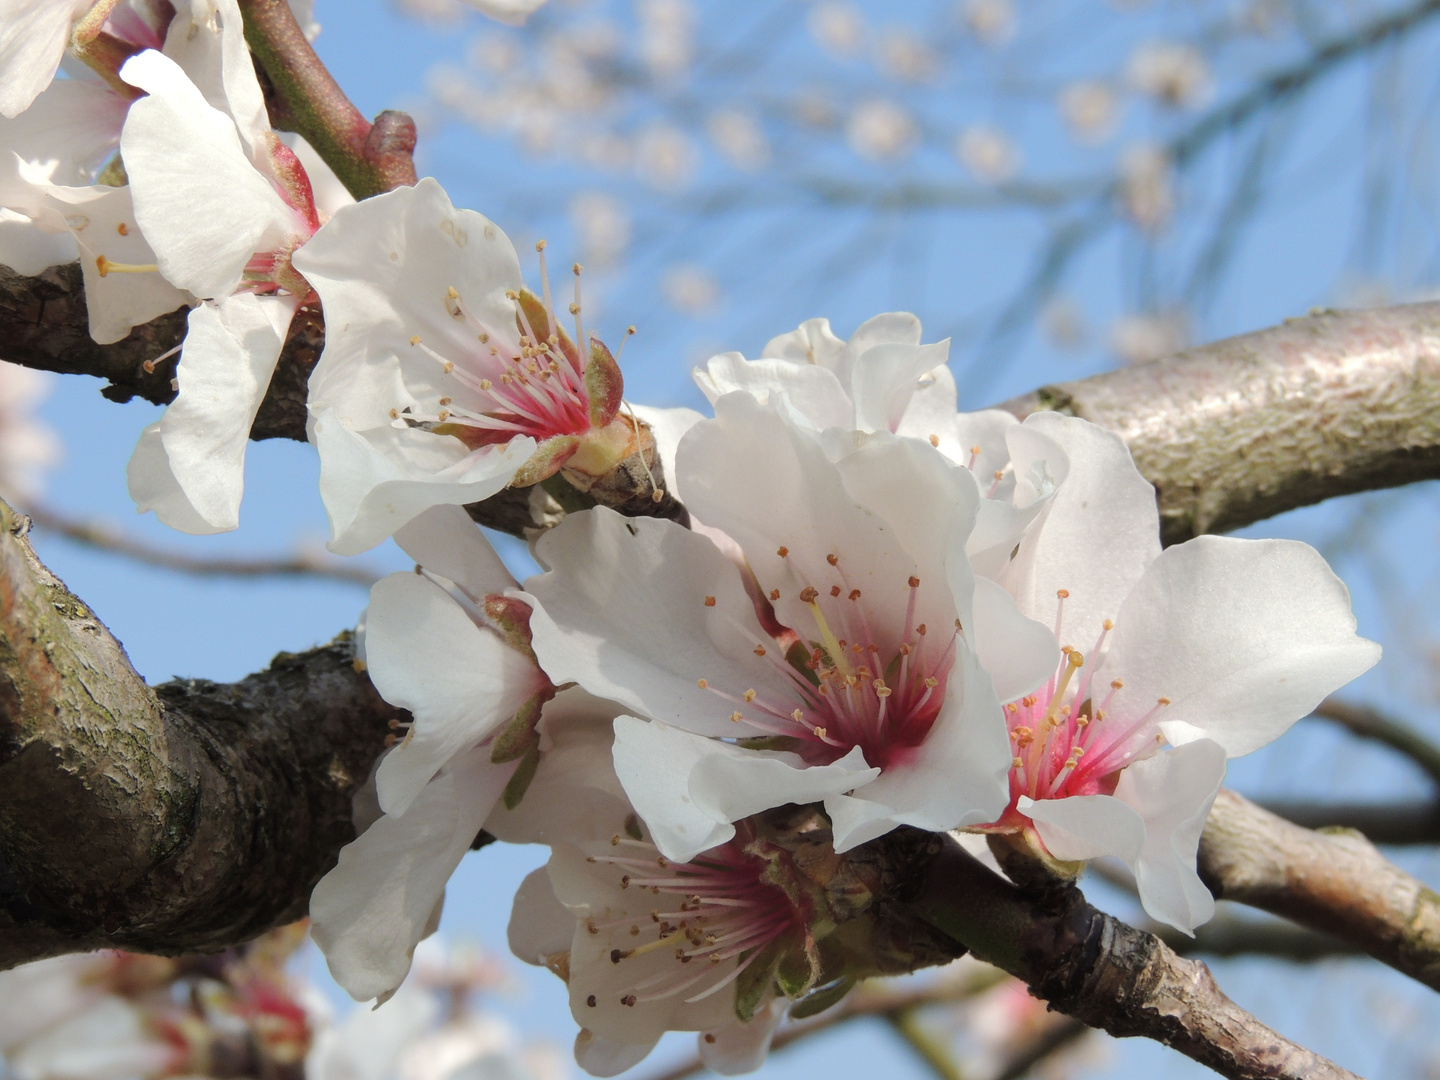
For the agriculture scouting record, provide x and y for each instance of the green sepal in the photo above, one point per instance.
(756, 980)
(771, 742)
(511, 617)
(797, 656)
(822, 997)
(520, 781)
(539, 319)
(519, 735)
(798, 972)
(545, 462)
(603, 384)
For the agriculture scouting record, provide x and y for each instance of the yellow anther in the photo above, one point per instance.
(414, 339)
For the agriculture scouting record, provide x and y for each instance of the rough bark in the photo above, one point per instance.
(1249, 427)
(1106, 974)
(177, 819)
(1336, 882)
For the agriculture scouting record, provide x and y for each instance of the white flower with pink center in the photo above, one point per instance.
(224, 204)
(840, 666)
(443, 380)
(647, 944)
(1172, 661)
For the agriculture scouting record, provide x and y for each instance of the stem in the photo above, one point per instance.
(310, 102)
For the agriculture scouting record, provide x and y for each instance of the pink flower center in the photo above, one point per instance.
(846, 689)
(727, 910)
(1066, 742)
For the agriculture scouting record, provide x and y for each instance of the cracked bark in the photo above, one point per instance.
(182, 818)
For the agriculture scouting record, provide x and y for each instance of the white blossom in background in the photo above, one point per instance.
(739, 138)
(28, 447)
(881, 130)
(816, 108)
(666, 36)
(1064, 323)
(698, 927)
(837, 26)
(603, 225)
(442, 381)
(666, 157)
(991, 21)
(452, 648)
(225, 205)
(1138, 339)
(991, 155)
(1091, 109)
(1147, 192)
(904, 55)
(691, 289)
(898, 725)
(1214, 647)
(510, 12)
(1171, 72)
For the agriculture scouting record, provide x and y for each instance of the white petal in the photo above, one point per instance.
(1243, 636)
(1037, 469)
(688, 789)
(373, 483)
(1100, 530)
(812, 343)
(369, 913)
(932, 410)
(624, 614)
(816, 394)
(958, 776)
(200, 201)
(153, 487)
(886, 377)
(446, 541)
(1019, 654)
(1173, 791)
(1087, 827)
(599, 1056)
(460, 682)
(71, 130)
(28, 249)
(540, 926)
(891, 328)
(229, 354)
(742, 1047)
(107, 1042)
(33, 36)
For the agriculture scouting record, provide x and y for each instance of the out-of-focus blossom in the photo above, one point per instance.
(816, 108)
(837, 26)
(603, 225)
(440, 12)
(1147, 193)
(495, 53)
(1091, 110)
(510, 12)
(1171, 72)
(666, 157)
(991, 156)
(690, 288)
(881, 130)
(739, 138)
(991, 21)
(902, 54)
(1064, 323)
(666, 30)
(1138, 339)
(27, 446)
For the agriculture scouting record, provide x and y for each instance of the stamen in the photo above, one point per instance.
(108, 267)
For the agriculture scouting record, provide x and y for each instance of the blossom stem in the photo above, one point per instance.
(368, 158)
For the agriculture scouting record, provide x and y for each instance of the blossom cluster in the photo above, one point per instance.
(874, 610)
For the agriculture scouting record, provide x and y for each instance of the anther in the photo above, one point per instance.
(834, 590)
(914, 582)
(774, 595)
(1063, 594)
(782, 551)
(808, 594)
(709, 601)
(759, 650)
(702, 684)
(833, 560)
(854, 594)
(935, 441)
(749, 696)
(735, 717)
(590, 1001)
(414, 339)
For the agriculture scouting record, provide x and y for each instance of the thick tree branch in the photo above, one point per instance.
(1249, 427)
(1336, 882)
(179, 819)
(1107, 974)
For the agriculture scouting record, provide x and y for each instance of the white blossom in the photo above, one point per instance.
(33, 37)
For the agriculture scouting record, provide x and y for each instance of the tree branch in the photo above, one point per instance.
(1249, 427)
(1336, 882)
(1104, 973)
(179, 819)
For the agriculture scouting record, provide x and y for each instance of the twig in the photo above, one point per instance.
(906, 1024)
(1336, 882)
(368, 159)
(1107, 974)
(1370, 723)
(1051, 1041)
(104, 538)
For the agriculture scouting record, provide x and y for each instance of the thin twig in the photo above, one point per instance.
(105, 538)
(1370, 723)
